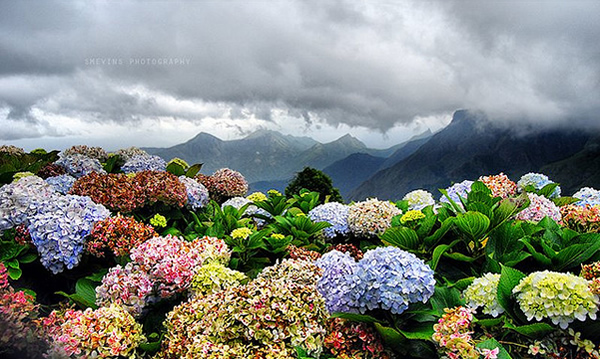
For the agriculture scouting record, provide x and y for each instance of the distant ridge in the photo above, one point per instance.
(471, 146)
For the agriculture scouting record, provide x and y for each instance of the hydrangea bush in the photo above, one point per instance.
(457, 191)
(482, 294)
(500, 185)
(385, 278)
(371, 217)
(560, 297)
(78, 165)
(334, 213)
(59, 229)
(538, 181)
(539, 207)
(419, 199)
(266, 318)
(139, 163)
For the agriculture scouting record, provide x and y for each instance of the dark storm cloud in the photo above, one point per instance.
(359, 63)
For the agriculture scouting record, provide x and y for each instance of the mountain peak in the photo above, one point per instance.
(204, 136)
(349, 140)
(262, 133)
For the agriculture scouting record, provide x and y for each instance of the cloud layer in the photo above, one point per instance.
(338, 64)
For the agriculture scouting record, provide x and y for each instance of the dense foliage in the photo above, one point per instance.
(112, 255)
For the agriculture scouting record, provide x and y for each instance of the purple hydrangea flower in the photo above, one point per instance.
(78, 165)
(338, 281)
(461, 189)
(335, 214)
(20, 200)
(62, 183)
(139, 163)
(59, 229)
(197, 194)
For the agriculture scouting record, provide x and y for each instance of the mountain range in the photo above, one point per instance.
(269, 159)
(470, 146)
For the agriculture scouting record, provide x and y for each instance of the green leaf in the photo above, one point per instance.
(390, 336)
(176, 169)
(440, 232)
(193, 170)
(438, 252)
(509, 278)
(426, 224)
(28, 258)
(573, 256)
(85, 293)
(539, 257)
(488, 323)
(535, 330)
(14, 273)
(445, 297)
(457, 256)
(419, 331)
(492, 343)
(355, 317)
(474, 224)
(548, 189)
(507, 208)
(402, 237)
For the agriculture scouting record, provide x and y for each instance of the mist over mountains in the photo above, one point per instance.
(470, 146)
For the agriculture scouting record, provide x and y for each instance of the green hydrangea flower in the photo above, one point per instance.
(158, 221)
(257, 197)
(215, 277)
(560, 297)
(17, 176)
(482, 293)
(411, 216)
(241, 233)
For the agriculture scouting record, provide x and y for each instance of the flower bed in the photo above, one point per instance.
(125, 255)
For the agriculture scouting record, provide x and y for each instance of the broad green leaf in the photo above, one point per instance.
(539, 257)
(445, 297)
(390, 336)
(509, 278)
(419, 331)
(440, 232)
(535, 330)
(176, 169)
(28, 258)
(457, 256)
(426, 224)
(14, 273)
(575, 255)
(507, 208)
(488, 323)
(563, 201)
(402, 237)
(193, 170)
(474, 224)
(437, 254)
(548, 189)
(85, 293)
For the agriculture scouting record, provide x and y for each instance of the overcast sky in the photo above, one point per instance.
(155, 73)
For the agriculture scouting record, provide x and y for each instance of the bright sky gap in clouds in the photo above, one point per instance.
(155, 73)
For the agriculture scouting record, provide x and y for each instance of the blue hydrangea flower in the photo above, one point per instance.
(587, 196)
(139, 163)
(538, 181)
(338, 281)
(78, 165)
(197, 194)
(60, 228)
(62, 183)
(335, 214)
(20, 200)
(461, 189)
(391, 279)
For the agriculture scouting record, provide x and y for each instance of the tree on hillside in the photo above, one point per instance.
(313, 180)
